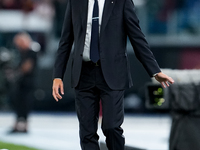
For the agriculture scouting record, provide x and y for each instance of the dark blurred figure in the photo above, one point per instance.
(21, 96)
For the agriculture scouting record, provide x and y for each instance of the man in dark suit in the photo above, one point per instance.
(100, 69)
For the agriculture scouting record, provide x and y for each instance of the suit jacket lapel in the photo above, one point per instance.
(108, 7)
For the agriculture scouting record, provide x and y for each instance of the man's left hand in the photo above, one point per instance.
(164, 79)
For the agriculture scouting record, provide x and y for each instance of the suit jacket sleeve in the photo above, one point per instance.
(65, 45)
(138, 41)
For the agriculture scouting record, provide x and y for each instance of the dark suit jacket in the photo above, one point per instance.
(118, 21)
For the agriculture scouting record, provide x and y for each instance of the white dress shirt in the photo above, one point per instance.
(86, 51)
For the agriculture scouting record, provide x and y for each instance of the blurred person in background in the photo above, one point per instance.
(23, 79)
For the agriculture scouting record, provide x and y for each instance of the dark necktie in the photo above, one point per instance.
(94, 45)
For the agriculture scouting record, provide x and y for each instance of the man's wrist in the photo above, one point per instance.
(156, 74)
(57, 78)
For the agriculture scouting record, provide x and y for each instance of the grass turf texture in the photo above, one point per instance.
(10, 146)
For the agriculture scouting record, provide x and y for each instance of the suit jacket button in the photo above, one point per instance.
(81, 55)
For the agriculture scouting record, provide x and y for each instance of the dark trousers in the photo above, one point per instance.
(22, 100)
(91, 88)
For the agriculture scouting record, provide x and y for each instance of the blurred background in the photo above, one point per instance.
(172, 28)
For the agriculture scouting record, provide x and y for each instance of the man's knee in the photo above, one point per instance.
(88, 137)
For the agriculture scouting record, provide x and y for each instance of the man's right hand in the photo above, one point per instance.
(57, 86)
